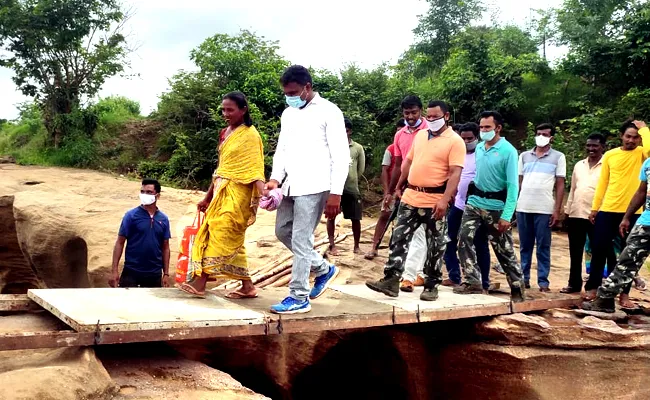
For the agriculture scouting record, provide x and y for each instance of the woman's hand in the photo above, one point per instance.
(203, 204)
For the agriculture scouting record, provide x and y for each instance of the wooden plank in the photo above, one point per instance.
(410, 309)
(333, 310)
(17, 302)
(115, 337)
(122, 309)
(544, 301)
(45, 339)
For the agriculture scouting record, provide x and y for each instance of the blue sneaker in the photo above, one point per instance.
(291, 306)
(322, 282)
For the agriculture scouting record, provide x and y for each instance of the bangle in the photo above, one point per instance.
(165, 274)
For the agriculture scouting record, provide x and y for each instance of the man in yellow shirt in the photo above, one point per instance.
(616, 186)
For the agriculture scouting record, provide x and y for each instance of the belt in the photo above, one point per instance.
(436, 189)
(472, 190)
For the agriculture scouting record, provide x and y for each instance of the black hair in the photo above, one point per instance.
(598, 136)
(296, 74)
(545, 126)
(348, 123)
(498, 119)
(439, 103)
(456, 127)
(410, 102)
(626, 125)
(155, 183)
(240, 99)
(470, 127)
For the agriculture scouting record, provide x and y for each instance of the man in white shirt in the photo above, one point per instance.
(311, 163)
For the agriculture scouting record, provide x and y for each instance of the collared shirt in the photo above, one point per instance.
(145, 235)
(583, 186)
(431, 162)
(404, 138)
(618, 177)
(644, 219)
(540, 174)
(468, 174)
(357, 167)
(312, 152)
(496, 170)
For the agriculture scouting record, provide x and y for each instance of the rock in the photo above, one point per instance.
(58, 374)
(485, 371)
(150, 372)
(618, 316)
(589, 332)
(16, 274)
(7, 160)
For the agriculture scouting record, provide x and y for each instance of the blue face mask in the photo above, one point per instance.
(296, 101)
(413, 126)
(487, 136)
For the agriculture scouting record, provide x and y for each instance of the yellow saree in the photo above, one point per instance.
(218, 248)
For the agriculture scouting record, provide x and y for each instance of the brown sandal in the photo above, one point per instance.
(187, 288)
(239, 295)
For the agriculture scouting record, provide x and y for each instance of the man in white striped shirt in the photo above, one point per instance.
(311, 162)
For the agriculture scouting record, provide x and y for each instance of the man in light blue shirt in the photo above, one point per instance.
(491, 203)
(635, 252)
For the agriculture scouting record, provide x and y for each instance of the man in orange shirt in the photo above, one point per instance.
(432, 169)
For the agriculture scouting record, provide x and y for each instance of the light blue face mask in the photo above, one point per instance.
(487, 136)
(296, 101)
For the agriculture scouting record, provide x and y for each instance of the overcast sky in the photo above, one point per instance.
(318, 33)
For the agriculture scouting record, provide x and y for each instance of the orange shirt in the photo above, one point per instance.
(431, 161)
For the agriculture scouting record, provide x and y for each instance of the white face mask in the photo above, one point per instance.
(542, 141)
(436, 125)
(147, 199)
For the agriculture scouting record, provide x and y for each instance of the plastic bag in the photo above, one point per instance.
(184, 262)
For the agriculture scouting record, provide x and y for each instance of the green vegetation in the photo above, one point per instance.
(603, 80)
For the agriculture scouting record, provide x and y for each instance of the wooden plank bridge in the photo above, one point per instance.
(85, 317)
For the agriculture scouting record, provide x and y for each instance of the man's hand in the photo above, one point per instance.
(592, 217)
(114, 280)
(624, 227)
(555, 218)
(270, 185)
(440, 210)
(333, 206)
(165, 280)
(503, 225)
(203, 204)
(639, 124)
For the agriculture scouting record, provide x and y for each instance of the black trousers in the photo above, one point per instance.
(131, 278)
(605, 230)
(579, 229)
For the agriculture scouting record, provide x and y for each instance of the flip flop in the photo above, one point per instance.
(236, 295)
(187, 288)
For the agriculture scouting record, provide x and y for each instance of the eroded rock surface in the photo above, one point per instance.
(53, 374)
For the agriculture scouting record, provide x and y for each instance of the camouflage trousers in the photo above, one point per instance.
(408, 220)
(502, 244)
(629, 262)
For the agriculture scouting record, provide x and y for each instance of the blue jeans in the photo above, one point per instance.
(535, 229)
(480, 243)
(295, 222)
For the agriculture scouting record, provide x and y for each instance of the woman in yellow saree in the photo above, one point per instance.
(230, 204)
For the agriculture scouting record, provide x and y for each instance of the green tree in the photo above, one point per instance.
(60, 51)
(442, 22)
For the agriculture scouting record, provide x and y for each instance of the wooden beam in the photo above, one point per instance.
(545, 303)
(17, 302)
(45, 339)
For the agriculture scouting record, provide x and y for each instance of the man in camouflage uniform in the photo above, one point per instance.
(635, 252)
(491, 202)
(432, 168)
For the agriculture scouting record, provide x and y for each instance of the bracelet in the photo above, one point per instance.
(165, 274)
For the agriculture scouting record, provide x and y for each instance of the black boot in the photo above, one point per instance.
(429, 294)
(601, 304)
(466, 288)
(387, 285)
(517, 294)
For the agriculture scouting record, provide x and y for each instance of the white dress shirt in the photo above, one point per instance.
(312, 151)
